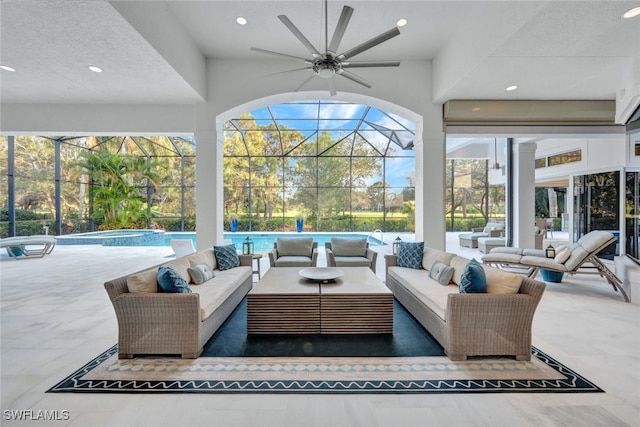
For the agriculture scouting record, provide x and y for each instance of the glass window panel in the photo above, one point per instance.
(541, 163)
(404, 123)
(308, 147)
(333, 172)
(291, 139)
(569, 157)
(34, 158)
(342, 148)
(375, 139)
(298, 124)
(342, 110)
(331, 191)
(394, 201)
(400, 171)
(366, 171)
(35, 195)
(396, 151)
(301, 172)
(236, 202)
(346, 126)
(236, 171)
(333, 203)
(248, 124)
(403, 138)
(261, 113)
(637, 149)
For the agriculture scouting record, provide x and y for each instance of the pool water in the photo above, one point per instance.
(262, 241)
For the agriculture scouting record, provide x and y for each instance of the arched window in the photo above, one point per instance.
(339, 166)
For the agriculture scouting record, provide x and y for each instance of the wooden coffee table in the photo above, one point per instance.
(283, 302)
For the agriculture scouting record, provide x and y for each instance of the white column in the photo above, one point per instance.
(524, 204)
(209, 190)
(430, 207)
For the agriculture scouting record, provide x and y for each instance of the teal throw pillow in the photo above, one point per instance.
(201, 273)
(170, 281)
(442, 273)
(473, 279)
(15, 250)
(410, 255)
(226, 256)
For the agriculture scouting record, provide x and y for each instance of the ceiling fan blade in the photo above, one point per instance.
(305, 82)
(270, 52)
(370, 43)
(366, 64)
(354, 77)
(299, 35)
(288, 71)
(332, 86)
(345, 16)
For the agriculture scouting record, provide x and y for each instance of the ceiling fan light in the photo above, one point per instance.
(241, 20)
(631, 13)
(326, 72)
(401, 22)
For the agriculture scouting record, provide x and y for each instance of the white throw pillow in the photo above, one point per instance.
(143, 282)
(562, 256)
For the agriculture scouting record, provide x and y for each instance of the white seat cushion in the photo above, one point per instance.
(352, 261)
(428, 291)
(293, 261)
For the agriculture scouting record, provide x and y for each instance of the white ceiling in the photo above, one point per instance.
(551, 49)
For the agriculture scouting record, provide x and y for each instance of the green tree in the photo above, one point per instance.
(117, 185)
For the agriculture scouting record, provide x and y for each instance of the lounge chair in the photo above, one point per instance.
(350, 252)
(576, 258)
(492, 229)
(182, 247)
(35, 246)
(294, 252)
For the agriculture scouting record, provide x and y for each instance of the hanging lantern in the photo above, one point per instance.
(396, 245)
(550, 252)
(247, 246)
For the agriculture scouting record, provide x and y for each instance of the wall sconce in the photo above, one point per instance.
(550, 252)
(247, 246)
(396, 245)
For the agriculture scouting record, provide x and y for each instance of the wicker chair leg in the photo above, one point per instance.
(190, 355)
(125, 356)
(522, 357)
(457, 357)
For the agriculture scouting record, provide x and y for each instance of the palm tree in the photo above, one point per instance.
(118, 182)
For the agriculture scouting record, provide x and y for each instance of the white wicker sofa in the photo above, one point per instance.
(496, 323)
(153, 322)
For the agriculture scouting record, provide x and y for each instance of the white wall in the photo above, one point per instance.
(599, 154)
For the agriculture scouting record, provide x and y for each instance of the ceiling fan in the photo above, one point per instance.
(330, 63)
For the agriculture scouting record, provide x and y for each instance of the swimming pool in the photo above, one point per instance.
(262, 241)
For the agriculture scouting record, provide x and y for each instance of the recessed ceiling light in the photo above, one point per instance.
(631, 13)
(95, 69)
(241, 20)
(512, 87)
(7, 68)
(401, 22)
(475, 109)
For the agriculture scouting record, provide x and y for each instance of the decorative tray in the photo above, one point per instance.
(321, 274)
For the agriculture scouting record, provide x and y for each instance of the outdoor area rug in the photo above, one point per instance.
(409, 361)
